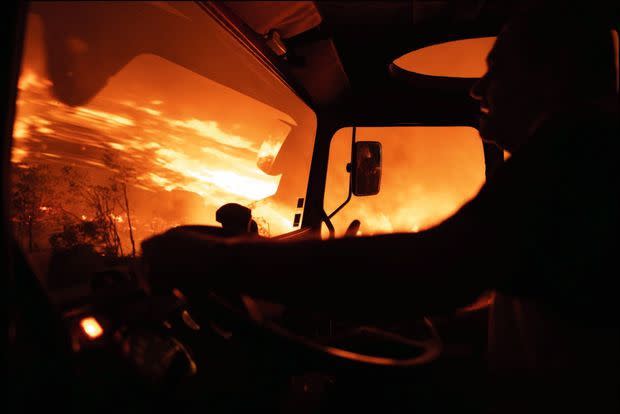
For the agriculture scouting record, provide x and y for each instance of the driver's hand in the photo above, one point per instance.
(180, 256)
(196, 263)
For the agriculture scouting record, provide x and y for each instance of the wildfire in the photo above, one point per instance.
(211, 129)
(101, 116)
(159, 180)
(150, 111)
(245, 185)
(117, 146)
(176, 162)
(20, 130)
(420, 187)
(18, 155)
(183, 143)
(249, 185)
(118, 219)
(29, 79)
(277, 218)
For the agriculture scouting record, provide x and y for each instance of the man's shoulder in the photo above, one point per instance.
(567, 142)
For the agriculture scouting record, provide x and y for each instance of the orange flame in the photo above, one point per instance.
(169, 153)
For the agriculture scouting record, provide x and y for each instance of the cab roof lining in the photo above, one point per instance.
(341, 52)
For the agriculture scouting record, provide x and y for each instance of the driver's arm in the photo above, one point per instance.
(382, 276)
(539, 227)
(389, 276)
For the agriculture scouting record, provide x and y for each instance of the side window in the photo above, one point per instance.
(458, 59)
(428, 174)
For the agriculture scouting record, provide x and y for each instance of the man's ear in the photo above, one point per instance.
(553, 86)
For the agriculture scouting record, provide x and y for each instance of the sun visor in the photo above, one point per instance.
(90, 42)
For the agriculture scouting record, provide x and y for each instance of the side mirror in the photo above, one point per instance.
(367, 168)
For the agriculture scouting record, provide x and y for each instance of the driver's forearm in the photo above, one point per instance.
(383, 276)
(371, 275)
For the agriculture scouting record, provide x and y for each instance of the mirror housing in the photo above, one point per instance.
(367, 168)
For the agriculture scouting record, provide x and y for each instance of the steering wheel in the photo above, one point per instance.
(248, 312)
(429, 349)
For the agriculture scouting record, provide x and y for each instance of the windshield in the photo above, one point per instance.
(171, 133)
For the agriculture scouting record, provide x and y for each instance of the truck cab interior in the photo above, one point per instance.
(281, 120)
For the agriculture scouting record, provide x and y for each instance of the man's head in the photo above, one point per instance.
(543, 61)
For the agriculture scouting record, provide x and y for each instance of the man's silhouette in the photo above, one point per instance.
(543, 231)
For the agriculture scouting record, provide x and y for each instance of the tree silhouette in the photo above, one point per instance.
(56, 201)
(81, 233)
(123, 175)
(102, 202)
(35, 200)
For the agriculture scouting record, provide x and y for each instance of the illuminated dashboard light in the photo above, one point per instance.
(189, 321)
(178, 294)
(91, 327)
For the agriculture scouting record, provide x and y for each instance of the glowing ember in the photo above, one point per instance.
(118, 219)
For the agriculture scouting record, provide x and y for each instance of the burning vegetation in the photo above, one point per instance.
(140, 157)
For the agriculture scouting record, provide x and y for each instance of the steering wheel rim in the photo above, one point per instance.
(431, 348)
